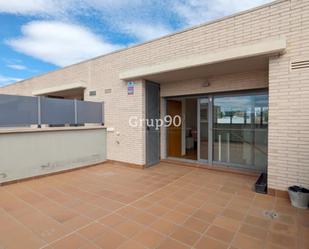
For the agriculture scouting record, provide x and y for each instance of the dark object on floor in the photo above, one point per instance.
(299, 196)
(261, 184)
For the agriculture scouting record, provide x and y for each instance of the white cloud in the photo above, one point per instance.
(28, 6)
(60, 43)
(195, 11)
(145, 31)
(139, 19)
(17, 66)
(4, 80)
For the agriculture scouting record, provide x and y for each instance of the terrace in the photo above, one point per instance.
(167, 206)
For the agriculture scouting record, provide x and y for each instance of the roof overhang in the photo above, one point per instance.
(65, 87)
(266, 47)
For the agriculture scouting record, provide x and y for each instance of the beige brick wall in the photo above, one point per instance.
(289, 114)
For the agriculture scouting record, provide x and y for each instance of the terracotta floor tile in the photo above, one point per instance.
(45, 227)
(107, 203)
(194, 202)
(185, 209)
(207, 242)
(253, 231)
(304, 237)
(227, 223)
(196, 225)
(76, 222)
(169, 203)
(110, 240)
(144, 218)
(175, 217)
(91, 211)
(242, 241)
(172, 244)
(61, 214)
(212, 208)
(273, 246)
(89, 245)
(163, 201)
(131, 244)
(287, 219)
(128, 212)
(70, 242)
(233, 214)
(149, 238)
(282, 240)
(256, 221)
(158, 210)
(93, 230)
(220, 233)
(7, 223)
(142, 204)
(15, 207)
(303, 217)
(20, 237)
(112, 220)
(185, 235)
(204, 216)
(128, 228)
(163, 226)
(257, 212)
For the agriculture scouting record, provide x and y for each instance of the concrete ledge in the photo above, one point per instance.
(48, 129)
(266, 47)
(81, 85)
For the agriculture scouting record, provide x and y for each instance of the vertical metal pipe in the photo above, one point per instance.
(75, 111)
(102, 113)
(210, 130)
(228, 146)
(39, 112)
(198, 129)
(219, 147)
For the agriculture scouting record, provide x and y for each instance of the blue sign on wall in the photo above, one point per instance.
(130, 87)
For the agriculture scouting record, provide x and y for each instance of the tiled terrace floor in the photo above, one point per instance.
(164, 207)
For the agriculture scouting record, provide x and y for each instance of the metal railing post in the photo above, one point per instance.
(102, 113)
(39, 112)
(228, 146)
(219, 151)
(75, 112)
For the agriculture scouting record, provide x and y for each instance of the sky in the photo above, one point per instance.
(37, 36)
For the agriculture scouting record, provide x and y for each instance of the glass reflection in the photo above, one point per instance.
(240, 130)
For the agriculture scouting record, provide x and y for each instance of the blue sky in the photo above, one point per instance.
(37, 36)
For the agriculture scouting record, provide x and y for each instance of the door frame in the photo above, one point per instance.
(211, 97)
(210, 120)
(181, 131)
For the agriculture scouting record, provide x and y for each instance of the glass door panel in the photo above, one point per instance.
(203, 128)
(240, 130)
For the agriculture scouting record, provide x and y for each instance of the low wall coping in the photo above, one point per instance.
(47, 129)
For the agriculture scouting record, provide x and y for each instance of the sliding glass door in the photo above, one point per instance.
(225, 129)
(240, 130)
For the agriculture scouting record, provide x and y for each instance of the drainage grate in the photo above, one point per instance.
(271, 214)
